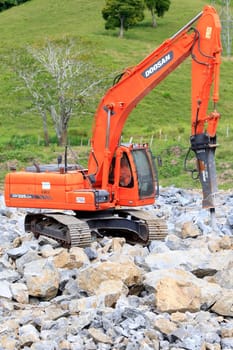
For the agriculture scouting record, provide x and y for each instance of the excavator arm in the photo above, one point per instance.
(206, 62)
(203, 44)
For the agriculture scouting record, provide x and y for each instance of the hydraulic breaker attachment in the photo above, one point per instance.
(204, 147)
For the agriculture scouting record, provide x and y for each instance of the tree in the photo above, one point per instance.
(158, 7)
(123, 14)
(59, 84)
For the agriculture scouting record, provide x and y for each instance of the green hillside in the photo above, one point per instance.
(163, 116)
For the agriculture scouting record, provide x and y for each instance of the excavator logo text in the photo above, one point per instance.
(158, 65)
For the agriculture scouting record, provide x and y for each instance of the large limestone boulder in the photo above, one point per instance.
(42, 279)
(173, 295)
(90, 278)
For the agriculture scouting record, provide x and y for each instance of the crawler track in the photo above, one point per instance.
(137, 226)
(157, 228)
(65, 229)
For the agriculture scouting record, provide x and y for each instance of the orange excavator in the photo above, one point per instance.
(108, 197)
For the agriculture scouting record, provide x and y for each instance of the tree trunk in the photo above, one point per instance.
(62, 140)
(57, 124)
(121, 33)
(154, 23)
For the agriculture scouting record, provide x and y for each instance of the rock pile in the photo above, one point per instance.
(175, 295)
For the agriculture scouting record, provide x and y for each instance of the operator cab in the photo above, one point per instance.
(133, 174)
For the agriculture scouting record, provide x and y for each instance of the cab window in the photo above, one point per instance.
(126, 179)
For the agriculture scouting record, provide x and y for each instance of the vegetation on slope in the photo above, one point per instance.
(162, 118)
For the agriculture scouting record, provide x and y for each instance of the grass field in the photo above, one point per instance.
(162, 118)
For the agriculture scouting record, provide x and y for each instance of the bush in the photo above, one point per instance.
(6, 4)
